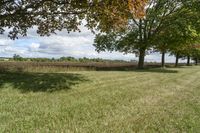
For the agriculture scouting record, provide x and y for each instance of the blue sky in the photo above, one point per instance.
(63, 44)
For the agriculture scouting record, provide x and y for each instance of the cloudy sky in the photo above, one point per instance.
(62, 44)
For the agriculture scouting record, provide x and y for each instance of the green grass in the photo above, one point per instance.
(153, 100)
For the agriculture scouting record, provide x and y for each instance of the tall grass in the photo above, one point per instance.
(29, 66)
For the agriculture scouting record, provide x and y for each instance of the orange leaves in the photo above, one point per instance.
(197, 46)
(118, 12)
(137, 7)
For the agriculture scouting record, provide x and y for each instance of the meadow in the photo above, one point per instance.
(149, 100)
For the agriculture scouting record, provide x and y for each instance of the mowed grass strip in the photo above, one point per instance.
(154, 100)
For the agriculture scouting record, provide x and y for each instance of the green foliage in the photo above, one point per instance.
(67, 59)
(50, 16)
(17, 57)
(63, 59)
(165, 22)
(123, 42)
(180, 32)
(168, 26)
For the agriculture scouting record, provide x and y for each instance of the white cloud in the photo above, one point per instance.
(14, 50)
(34, 46)
(4, 41)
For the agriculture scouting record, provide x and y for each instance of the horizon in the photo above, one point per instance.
(64, 44)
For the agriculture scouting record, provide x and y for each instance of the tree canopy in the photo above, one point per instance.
(52, 15)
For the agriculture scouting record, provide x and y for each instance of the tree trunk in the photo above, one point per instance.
(141, 59)
(196, 61)
(177, 57)
(188, 60)
(163, 59)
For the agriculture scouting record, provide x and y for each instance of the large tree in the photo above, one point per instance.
(140, 34)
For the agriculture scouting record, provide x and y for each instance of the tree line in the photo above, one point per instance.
(169, 26)
(17, 57)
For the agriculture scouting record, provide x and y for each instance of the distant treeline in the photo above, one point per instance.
(62, 59)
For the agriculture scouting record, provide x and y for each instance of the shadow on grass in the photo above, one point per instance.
(156, 70)
(135, 69)
(41, 82)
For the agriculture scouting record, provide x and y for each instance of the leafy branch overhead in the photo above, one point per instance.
(52, 15)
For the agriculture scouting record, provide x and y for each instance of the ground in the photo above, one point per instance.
(153, 100)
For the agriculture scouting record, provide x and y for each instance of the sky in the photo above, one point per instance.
(73, 44)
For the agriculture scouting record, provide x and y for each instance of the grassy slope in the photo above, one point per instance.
(114, 101)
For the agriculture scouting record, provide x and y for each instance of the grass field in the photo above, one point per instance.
(153, 100)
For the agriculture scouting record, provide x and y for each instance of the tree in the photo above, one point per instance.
(17, 57)
(52, 15)
(178, 39)
(139, 34)
(196, 54)
(184, 41)
(192, 52)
